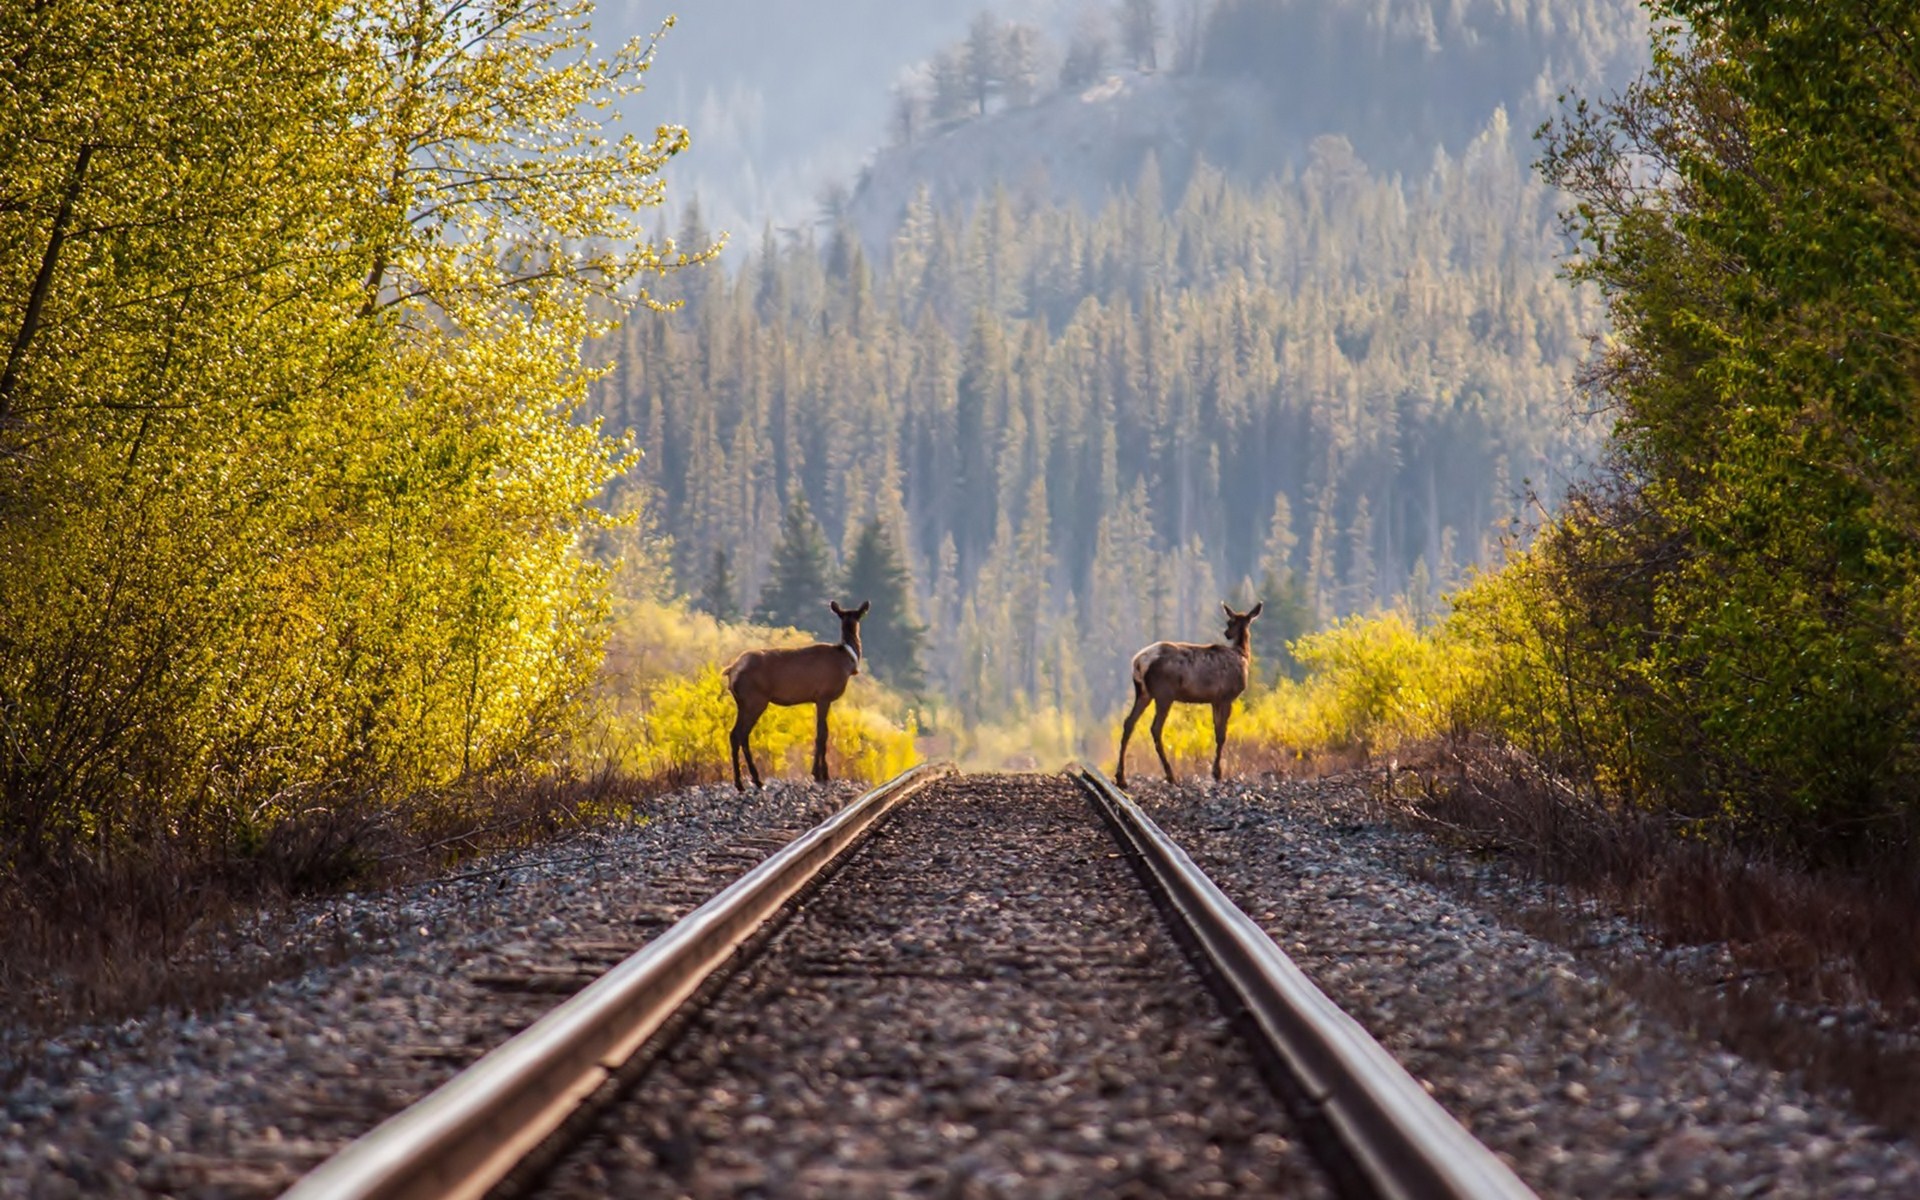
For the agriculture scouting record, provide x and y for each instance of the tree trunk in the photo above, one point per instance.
(42, 283)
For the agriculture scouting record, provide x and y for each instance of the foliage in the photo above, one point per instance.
(1729, 613)
(890, 636)
(681, 730)
(292, 497)
(800, 576)
(1719, 627)
(665, 709)
(717, 589)
(1044, 738)
(1376, 682)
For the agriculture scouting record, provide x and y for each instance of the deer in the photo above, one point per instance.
(1169, 673)
(815, 675)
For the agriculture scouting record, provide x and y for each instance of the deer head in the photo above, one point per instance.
(850, 625)
(1237, 622)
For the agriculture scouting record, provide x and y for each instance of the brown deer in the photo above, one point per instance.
(815, 675)
(1183, 672)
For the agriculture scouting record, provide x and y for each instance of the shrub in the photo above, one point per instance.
(666, 711)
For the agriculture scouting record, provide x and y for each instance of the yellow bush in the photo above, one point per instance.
(667, 711)
(1376, 680)
(1373, 682)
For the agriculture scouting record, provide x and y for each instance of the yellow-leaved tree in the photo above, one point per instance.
(292, 498)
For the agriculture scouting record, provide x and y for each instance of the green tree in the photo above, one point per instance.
(1287, 618)
(985, 56)
(953, 95)
(291, 494)
(892, 634)
(1020, 63)
(1140, 32)
(800, 578)
(1728, 611)
(717, 589)
(1086, 56)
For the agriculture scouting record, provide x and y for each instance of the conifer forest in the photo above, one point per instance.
(1078, 431)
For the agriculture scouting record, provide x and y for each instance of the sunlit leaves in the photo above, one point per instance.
(292, 497)
(1727, 615)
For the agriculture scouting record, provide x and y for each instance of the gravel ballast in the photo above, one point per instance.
(240, 1101)
(982, 1002)
(1583, 1091)
(1586, 1092)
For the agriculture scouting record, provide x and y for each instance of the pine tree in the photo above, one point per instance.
(952, 91)
(801, 575)
(1362, 584)
(1419, 596)
(892, 634)
(716, 591)
(1287, 617)
(1020, 64)
(984, 55)
(1276, 556)
(1140, 28)
(1086, 56)
(905, 114)
(946, 616)
(1289, 612)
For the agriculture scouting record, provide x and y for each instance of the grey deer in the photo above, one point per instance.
(1184, 672)
(815, 675)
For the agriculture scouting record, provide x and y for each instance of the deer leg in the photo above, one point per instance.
(820, 740)
(1221, 713)
(734, 739)
(1126, 731)
(742, 743)
(746, 748)
(1160, 710)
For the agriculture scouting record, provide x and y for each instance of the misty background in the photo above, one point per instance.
(1048, 326)
(788, 101)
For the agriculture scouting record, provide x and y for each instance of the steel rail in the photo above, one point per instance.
(1404, 1145)
(465, 1137)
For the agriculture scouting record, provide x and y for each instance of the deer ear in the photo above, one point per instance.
(864, 606)
(1228, 609)
(1255, 610)
(835, 606)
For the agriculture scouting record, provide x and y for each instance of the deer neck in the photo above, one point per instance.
(853, 656)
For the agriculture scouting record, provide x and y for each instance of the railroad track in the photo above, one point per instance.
(977, 985)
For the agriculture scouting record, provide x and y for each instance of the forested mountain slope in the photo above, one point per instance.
(1246, 86)
(1400, 78)
(1090, 426)
(784, 98)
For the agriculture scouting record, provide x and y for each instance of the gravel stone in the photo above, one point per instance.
(981, 1003)
(1578, 1087)
(1583, 1090)
(240, 1101)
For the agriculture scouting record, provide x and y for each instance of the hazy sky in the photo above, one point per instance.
(784, 97)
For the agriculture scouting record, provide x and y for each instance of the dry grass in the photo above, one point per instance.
(167, 929)
(1804, 943)
(1245, 756)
